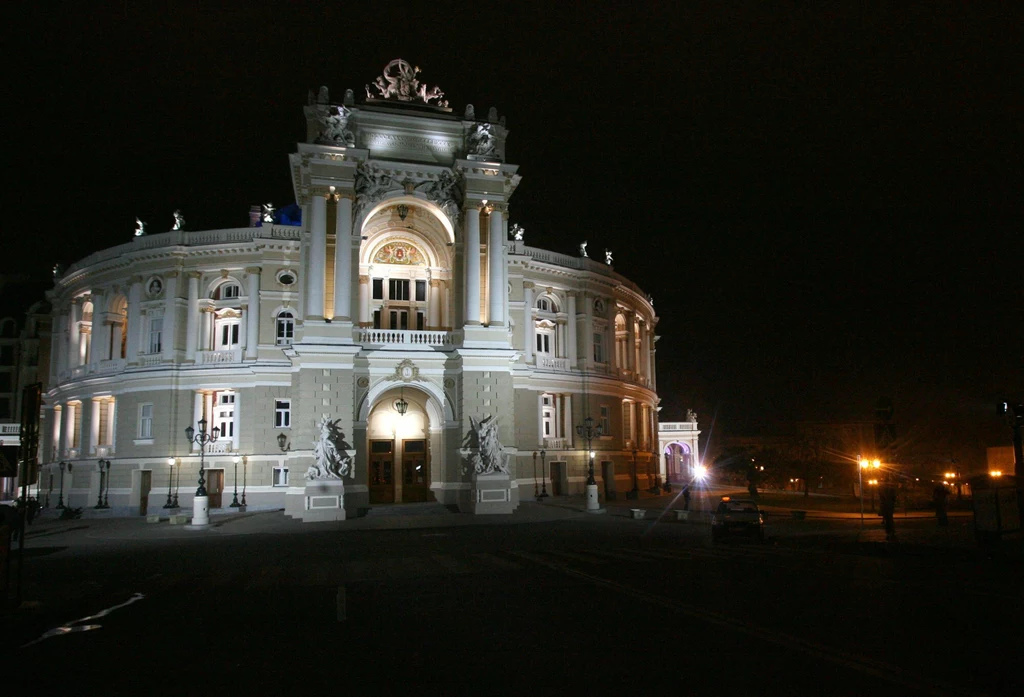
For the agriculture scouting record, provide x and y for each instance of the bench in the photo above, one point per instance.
(179, 519)
(638, 513)
(155, 518)
(682, 515)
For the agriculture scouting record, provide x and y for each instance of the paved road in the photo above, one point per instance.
(550, 600)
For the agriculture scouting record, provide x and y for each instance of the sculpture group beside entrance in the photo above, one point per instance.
(483, 449)
(330, 459)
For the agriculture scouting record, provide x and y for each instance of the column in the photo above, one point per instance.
(446, 301)
(561, 340)
(645, 351)
(57, 450)
(69, 427)
(613, 341)
(364, 301)
(574, 349)
(205, 328)
(58, 356)
(471, 251)
(100, 328)
(134, 320)
(343, 259)
(192, 328)
(170, 314)
(252, 320)
(630, 357)
(528, 325)
(243, 329)
(317, 258)
(94, 425)
(654, 362)
(496, 269)
(434, 311)
(570, 431)
(111, 406)
(588, 331)
(116, 335)
(74, 334)
(197, 410)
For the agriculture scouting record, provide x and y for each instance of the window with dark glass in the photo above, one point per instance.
(398, 289)
(378, 289)
(421, 291)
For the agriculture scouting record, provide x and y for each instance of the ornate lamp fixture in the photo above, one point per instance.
(402, 406)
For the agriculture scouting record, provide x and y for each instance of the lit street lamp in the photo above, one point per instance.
(543, 476)
(864, 464)
(201, 503)
(588, 431)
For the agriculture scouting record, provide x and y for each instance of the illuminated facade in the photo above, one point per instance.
(400, 308)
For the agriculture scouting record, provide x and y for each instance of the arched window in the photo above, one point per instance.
(227, 291)
(285, 328)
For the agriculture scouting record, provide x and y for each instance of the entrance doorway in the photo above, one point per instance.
(557, 470)
(608, 475)
(380, 471)
(145, 483)
(415, 471)
(214, 487)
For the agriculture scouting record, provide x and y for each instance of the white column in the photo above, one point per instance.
(613, 342)
(343, 260)
(317, 258)
(588, 331)
(205, 328)
(540, 419)
(100, 328)
(528, 327)
(434, 311)
(57, 450)
(94, 426)
(134, 320)
(74, 334)
(252, 320)
(197, 409)
(574, 349)
(192, 328)
(111, 415)
(556, 423)
(446, 302)
(654, 362)
(471, 252)
(496, 291)
(69, 427)
(364, 301)
(630, 357)
(170, 315)
(569, 430)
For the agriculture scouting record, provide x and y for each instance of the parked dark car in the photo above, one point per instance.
(737, 517)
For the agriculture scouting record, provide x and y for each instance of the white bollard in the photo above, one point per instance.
(593, 504)
(201, 510)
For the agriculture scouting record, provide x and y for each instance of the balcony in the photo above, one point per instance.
(551, 363)
(406, 339)
(10, 430)
(219, 357)
(556, 443)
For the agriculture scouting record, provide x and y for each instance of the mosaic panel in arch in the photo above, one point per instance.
(398, 253)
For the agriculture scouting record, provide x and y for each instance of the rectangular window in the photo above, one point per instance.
(419, 321)
(145, 421)
(280, 476)
(5, 407)
(156, 329)
(605, 421)
(282, 413)
(398, 289)
(543, 343)
(378, 289)
(5, 382)
(598, 347)
(224, 418)
(421, 291)
(376, 319)
(6, 355)
(230, 291)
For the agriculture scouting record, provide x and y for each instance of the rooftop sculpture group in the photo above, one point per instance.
(399, 82)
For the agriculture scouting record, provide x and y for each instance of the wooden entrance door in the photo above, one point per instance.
(380, 471)
(556, 470)
(415, 471)
(145, 483)
(214, 487)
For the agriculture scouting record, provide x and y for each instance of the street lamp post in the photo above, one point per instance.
(234, 501)
(245, 462)
(177, 485)
(536, 487)
(60, 496)
(543, 475)
(99, 498)
(170, 481)
(864, 464)
(589, 431)
(201, 503)
(634, 493)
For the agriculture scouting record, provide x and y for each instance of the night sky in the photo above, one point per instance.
(823, 199)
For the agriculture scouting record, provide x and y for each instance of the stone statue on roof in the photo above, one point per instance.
(179, 220)
(482, 140)
(517, 232)
(399, 82)
(583, 248)
(608, 257)
(333, 121)
(140, 228)
(268, 212)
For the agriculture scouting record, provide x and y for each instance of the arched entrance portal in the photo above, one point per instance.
(678, 462)
(398, 444)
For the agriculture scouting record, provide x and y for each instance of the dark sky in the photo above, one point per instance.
(823, 199)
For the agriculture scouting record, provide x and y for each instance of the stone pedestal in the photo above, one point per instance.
(324, 500)
(201, 510)
(593, 503)
(491, 493)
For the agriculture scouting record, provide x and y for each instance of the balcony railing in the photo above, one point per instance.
(219, 357)
(10, 429)
(551, 363)
(556, 443)
(408, 338)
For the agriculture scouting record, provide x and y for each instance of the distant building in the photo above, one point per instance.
(390, 301)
